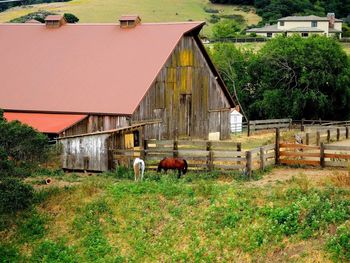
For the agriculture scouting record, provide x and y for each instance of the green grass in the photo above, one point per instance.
(108, 11)
(201, 218)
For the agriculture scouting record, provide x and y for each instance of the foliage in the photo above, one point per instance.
(14, 195)
(339, 245)
(9, 253)
(38, 16)
(21, 147)
(289, 77)
(41, 15)
(225, 28)
(70, 18)
(4, 6)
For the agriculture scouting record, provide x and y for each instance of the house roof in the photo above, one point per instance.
(46, 123)
(307, 18)
(83, 68)
(304, 29)
(265, 29)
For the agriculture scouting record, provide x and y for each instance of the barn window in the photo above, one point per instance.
(159, 95)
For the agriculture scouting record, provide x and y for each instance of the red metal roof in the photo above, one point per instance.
(83, 68)
(46, 123)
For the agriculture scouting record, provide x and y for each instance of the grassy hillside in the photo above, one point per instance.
(200, 218)
(98, 11)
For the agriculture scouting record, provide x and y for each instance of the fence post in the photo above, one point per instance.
(322, 162)
(307, 138)
(262, 158)
(210, 160)
(302, 128)
(248, 128)
(175, 149)
(347, 132)
(277, 147)
(338, 134)
(318, 138)
(248, 156)
(328, 136)
(290, 124)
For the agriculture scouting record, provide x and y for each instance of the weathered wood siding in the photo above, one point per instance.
(186, 97)
(94, 123)
(88, 153)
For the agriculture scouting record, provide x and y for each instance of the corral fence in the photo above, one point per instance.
(323, 155)
(200, 155)
(256, 125)
(325, 135)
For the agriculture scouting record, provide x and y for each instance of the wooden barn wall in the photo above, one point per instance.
(186, 97)
(94, 123)
(88, 153)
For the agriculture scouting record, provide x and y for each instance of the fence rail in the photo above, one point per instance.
(256, 125)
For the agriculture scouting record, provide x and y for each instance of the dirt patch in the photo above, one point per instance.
(278, 175)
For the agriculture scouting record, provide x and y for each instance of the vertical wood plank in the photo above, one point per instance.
(249, 164)
(322, 161)
(328, 136)
(318, 138)
(262, 158)
(277, 147)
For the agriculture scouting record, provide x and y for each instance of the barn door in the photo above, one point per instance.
(185, 115)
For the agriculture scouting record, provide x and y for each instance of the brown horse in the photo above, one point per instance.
(169, 163)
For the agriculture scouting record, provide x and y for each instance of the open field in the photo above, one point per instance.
(290, 215)
(108, 11)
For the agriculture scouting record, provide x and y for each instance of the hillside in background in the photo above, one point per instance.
(108, 11)
(271, 10)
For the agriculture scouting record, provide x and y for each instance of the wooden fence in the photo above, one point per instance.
(268, 124)
(200, 155)
(326, 135)
(324, 155)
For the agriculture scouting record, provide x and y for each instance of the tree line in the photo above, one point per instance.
(271, 10)
(289, 77)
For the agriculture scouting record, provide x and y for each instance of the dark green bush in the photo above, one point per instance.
(70, 18)
(14, 195)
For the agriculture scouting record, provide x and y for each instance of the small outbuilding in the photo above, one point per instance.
(236, 121)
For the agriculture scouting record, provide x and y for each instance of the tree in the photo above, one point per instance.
(20, 147)
(289, 77)
(226, 28)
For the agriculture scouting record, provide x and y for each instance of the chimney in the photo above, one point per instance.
(129, 21)
(55, 21)
(331, 19)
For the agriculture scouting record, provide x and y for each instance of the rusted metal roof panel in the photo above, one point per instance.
(46, 123)
(83, 68)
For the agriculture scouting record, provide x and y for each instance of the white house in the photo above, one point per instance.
(302, 25)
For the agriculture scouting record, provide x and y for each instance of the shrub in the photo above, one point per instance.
(211, 10)
(70, 18)
(15, 195)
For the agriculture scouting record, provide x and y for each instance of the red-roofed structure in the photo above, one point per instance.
(155, 73)
(46, 123)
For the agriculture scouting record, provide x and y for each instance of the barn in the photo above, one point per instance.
(70, 80)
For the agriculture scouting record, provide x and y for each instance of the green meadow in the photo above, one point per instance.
(203, 217)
